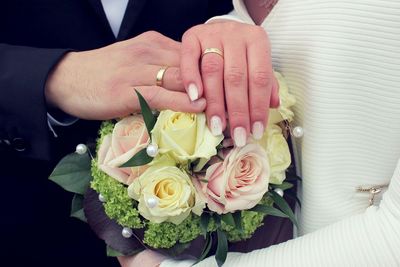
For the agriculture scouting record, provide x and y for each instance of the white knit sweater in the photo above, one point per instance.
(341, 58)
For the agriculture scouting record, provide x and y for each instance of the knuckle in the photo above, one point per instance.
(142, 50)
(261, 78)
(213, 102)
(235, 76)
(188, 34)
(259, 30)
(211, 65)
(238, 115)
(152, 35)
(230, 25)
(258, 112)
(176, 75)
(198, 28)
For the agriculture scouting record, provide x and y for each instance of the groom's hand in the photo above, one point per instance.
(99, 84)
(235, 75)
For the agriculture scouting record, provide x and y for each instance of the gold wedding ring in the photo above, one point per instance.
(212, 50)
(160, 75)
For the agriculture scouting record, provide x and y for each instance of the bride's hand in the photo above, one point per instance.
(239, 80)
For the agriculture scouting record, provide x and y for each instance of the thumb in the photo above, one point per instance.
(160, 99)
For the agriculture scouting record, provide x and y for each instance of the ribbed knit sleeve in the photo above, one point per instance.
(368, 239)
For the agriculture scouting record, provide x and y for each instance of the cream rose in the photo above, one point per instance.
(172, 190)
(278, 153)
(129, 136)
(287, 101)
(185, 136)
(237, 183)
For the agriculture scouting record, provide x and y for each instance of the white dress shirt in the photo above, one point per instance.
(115, 11)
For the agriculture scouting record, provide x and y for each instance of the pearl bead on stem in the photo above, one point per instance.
(127, 232)
(152, 202)
(298, 132)
(81, 149)
(152, 150)
(279, 191)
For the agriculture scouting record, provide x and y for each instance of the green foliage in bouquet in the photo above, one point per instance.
(119, 206)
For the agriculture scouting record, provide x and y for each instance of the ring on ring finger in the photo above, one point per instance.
(160, 75)
(213, 50)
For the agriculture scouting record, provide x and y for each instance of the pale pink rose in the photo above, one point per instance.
(128, 137)
(237, 183)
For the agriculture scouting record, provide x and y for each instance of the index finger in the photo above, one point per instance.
(190, 71)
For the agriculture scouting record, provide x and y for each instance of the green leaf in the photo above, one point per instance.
(228, 219)
(293, 196)
(139, 159)
(281, 203)
(204, 220)
(206, 249)
(237, 217)
(73, 173)
(217, 219)
(222, 248)
(283, 186)
(269, 210)
(148, 117)
(77, 208)
(114, 253)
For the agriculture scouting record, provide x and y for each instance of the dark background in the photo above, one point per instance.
(35, 227)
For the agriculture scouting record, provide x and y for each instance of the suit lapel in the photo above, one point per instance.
(98, 9)
(131, 14)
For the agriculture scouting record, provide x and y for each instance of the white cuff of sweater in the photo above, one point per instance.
(231, 16)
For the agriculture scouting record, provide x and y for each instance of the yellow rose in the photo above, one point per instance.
(171, 190)
(287, 101)
(278, 153)
(185, 136)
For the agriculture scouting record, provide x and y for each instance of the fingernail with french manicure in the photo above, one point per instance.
(258, 130)
(216, 125)
(193, 92)
(239, 136)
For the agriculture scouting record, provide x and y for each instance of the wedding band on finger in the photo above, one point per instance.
(160, 75)
(212, 50)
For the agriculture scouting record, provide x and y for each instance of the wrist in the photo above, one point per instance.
(59, 81)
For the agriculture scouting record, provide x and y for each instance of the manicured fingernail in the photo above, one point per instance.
(216, 125)
(258, 130)
(193, 92)
(239, 136)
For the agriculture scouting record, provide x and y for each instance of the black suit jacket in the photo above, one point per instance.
(34, 34)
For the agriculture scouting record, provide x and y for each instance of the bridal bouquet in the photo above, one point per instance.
(164, 182)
